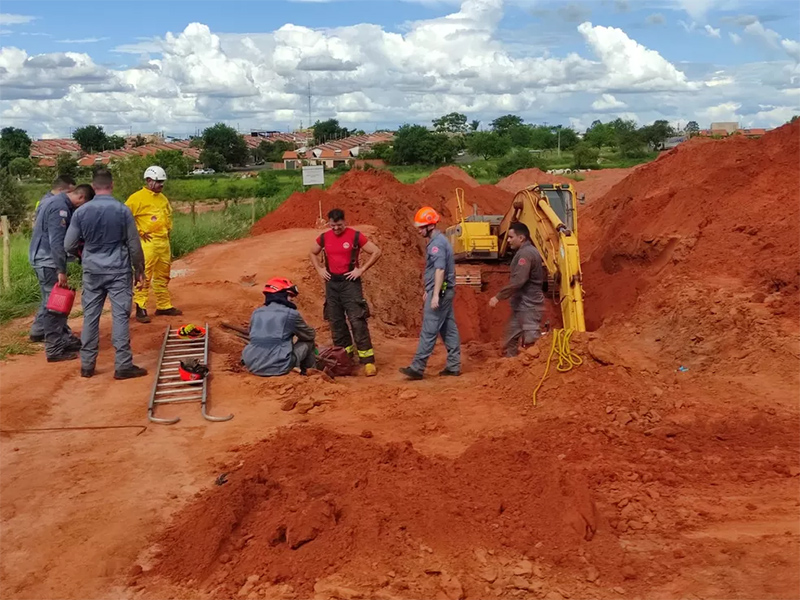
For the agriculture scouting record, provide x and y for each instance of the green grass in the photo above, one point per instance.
(23, 296)
(411, 174)
(13, 347)
(219, 226)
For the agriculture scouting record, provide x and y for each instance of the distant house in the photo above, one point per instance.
(335, 154)
(722, 132)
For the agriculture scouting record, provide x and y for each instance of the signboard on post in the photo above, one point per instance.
(314, 175)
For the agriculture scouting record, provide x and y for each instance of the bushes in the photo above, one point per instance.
(13, 203)
(518, 159)
(584, 156)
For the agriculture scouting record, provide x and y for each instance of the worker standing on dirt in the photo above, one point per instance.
(153, 215)
(344, 295)
(62, 185)
(111, 252)
(438, 317)
(272, 350)
(524, 291)
(49, 260)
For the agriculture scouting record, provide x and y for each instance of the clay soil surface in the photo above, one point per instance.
(631, 478)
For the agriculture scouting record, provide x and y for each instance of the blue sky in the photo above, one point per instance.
(181, 65)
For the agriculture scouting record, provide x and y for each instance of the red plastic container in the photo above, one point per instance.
(61, 300)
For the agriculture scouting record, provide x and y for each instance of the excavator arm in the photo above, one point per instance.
(549, 212)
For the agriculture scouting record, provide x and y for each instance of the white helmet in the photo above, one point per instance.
(155, 173)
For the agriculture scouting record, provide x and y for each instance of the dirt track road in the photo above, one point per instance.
(711, 481)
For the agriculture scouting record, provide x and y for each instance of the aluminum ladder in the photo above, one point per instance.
(168, 387)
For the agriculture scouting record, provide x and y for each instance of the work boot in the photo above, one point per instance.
(36, 338)
(449, 373)
(411, 373)
(63, 356)
(74, 344)
(130, 373)
(141, 315)
(168, 312)
(370, 370)
(87, 372)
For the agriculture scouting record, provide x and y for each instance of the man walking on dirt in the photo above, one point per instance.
(344, 295)
(153, 215)
(524, 290)
(438, 317)
(49, 260)
(111, 252)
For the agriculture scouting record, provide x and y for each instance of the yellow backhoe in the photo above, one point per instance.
(550, 212)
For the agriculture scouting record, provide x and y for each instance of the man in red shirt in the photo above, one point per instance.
(344, 297)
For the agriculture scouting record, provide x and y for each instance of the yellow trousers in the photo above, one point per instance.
(157, 262)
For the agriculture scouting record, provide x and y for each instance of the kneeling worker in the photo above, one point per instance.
(344, 295)
(524, 291)
(272, 350)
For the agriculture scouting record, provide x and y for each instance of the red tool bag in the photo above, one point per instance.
(335, 361)
(61, 300)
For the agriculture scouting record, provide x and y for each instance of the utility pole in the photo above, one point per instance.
(309, 103)
(559, 141)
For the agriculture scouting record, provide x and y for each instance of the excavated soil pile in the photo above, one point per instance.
(310, 503)
(455, 173)
(526, 177)
(703, 241)
(375, 197)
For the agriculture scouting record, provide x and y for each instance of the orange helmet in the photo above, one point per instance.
(280, 284)
(426, 216)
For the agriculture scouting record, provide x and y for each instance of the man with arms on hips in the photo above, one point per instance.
(344, 295)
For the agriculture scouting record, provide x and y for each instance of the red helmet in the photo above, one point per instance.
(426, 216)
(280, 284)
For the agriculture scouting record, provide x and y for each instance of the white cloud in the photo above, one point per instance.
(92, 40)
(735, 38)
(792, 48)
(629, 64)
(712, 32)
(697, 9)
(367, 75)
(724, 112)
(770, 37)
(9, 19)
(607, 102)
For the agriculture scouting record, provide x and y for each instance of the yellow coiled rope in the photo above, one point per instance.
(566, 358)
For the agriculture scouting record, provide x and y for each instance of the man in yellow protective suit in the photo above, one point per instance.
(153, 215)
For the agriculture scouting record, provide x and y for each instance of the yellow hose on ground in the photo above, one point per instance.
(566, 358)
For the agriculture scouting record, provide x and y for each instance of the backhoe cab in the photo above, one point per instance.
(550, 212)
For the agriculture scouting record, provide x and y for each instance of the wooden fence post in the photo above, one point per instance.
(194, 214)
(6, 254)
(253, 212)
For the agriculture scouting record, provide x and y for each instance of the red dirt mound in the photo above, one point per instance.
(309, 503)
(440, 190)
(525, 177)
(705, 239)
(454, 173)
(375, 197)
